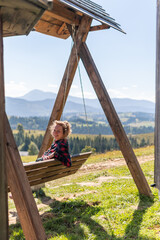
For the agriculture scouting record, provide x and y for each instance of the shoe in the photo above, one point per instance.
(39, 159)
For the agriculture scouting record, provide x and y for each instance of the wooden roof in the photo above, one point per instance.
(54, 21)
(20, 16)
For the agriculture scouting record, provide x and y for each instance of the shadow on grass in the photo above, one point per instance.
(133, 228)
(75, 220)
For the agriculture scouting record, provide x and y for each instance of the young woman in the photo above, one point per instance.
(59, 148)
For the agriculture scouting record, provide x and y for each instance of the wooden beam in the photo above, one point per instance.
(62, 14)
(114, 121)
(99, 27)
(67, 80)
(157, 110)
(3, 174)
(61, 29)
(51, 28)
(21, 191)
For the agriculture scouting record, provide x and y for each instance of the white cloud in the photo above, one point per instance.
(124, 88)
(122, 93)
(55, 86)
(13, 89)
(134, 86)
(74, 86)
(116, 93)
(87, 94)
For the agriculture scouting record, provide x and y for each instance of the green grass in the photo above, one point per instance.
(30, 132)
(82, 208)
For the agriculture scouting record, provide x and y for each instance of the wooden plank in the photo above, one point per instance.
(51, 28)
(114, 121)
(157, 110)
(48, 173)
(54, 162)
(69, 73)
(23, 4)
(39, 165)
(53, 168)
(40, 181)
(3, 174)
(19, 17)
(21, 191)
(99, 27)
(63, 15)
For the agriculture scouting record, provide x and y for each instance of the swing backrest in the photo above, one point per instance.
(45, 171)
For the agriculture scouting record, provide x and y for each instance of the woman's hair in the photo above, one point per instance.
(66, 126)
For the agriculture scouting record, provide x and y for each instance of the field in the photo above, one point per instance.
(99, 202)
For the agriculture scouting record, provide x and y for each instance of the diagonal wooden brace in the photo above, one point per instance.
(114, 121)
(21, 191)
(67, 80)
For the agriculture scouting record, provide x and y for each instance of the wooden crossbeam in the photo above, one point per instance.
(3, 173)
(61, 29)
(114, 121)
(21, 191)
(67, 80)
(99, 27)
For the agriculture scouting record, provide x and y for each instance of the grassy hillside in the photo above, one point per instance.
(99, 202)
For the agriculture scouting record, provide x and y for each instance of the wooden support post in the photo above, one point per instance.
(157, 110)
(3, 174)
(67, 80)
(21, 191)
(114, 121)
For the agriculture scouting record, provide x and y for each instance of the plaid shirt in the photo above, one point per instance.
(59, 150)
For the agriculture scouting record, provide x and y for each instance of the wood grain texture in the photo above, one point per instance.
(157, 110)
(49, 170)
(41, 172)
(21, 191)
(3, 173)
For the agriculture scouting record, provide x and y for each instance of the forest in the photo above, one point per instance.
(31, 141)
(133, 123)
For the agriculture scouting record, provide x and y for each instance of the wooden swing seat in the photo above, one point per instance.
(45, 171)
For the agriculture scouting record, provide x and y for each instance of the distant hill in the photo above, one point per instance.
(24, 108)
(39, 103)
(38, 95)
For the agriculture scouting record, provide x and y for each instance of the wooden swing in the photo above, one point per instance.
(52, 169)
(49, 170)
(56, 21)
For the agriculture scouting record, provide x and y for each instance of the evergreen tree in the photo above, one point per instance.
(20, 134)
(33, 149)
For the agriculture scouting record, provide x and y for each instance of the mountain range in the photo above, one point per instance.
(39, 103)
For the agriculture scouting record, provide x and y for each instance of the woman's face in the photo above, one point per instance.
(58, 133)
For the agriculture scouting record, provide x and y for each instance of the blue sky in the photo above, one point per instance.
(126, 62)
